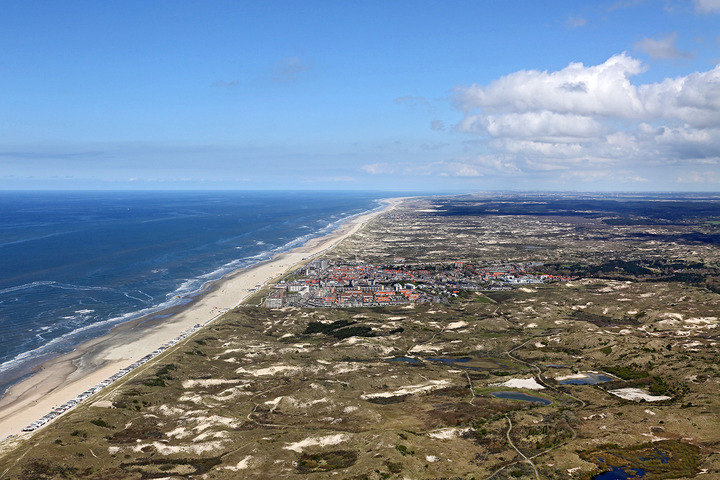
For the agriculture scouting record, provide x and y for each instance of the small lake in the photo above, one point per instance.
(621, 473)
(587, 379)
(468, 362)
(404, 359)
(521, 396)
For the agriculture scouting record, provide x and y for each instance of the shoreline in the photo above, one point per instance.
(25, 364)
(63, 378)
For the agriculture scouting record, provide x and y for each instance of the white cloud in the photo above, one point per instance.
(603, 89)
(470, 166)
(543, 148)
(536, 124)
(707, 6)
(585, 175)
(377, 168)
(694, 98)
(663, 48)
(594, 122)
(463, 170)
(699, 177)
(633, 179)
(497, 164)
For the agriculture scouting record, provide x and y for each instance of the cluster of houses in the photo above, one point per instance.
(324, 283)
(57, 411)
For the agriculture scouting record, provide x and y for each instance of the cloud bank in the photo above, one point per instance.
(592, 121)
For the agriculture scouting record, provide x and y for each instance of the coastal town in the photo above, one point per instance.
(325, 283)
(459, 350)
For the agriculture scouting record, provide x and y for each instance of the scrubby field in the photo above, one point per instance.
(411, 392)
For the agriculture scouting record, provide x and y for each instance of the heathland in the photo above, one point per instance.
(602, 363)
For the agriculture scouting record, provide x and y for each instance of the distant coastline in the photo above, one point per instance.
(60, 379)
(37, 307)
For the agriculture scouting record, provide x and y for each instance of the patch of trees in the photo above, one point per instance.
(340, 329)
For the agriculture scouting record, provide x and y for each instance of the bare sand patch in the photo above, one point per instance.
(409, 390)
(529, 383)
(637, 394)
(317, 441)
(448, 433)
(210, 382)
(267, 371)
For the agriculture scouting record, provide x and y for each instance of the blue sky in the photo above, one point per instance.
(432, 96)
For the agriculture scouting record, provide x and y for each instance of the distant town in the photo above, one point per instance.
(324, 283)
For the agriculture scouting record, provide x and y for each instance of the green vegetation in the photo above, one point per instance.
(626, 372)
(100, 423)
(660, 460)
(154, 382)
(403, 449)
(231, 401)
(326, 461)
(339, 329)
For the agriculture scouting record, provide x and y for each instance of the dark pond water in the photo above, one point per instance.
(456, 362)
(621, 473)
(521, 396)
(588, 379)
(657, 455)
(404, 359)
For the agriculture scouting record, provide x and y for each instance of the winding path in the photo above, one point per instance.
(539, 378)
(525, 458)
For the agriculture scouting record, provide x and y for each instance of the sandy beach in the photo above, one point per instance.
(64, 377)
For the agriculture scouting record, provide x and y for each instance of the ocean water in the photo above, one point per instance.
(74, 264)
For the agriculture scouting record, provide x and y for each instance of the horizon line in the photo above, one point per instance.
(416, 192)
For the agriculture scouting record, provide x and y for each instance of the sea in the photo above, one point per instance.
(75, 264)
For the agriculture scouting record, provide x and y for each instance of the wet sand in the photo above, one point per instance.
(63, 378)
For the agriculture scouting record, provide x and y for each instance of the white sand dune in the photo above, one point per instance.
(409, 390)
(317, 441)
(637, 394)
(529, 383)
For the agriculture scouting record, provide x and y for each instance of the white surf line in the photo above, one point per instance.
(101, 389)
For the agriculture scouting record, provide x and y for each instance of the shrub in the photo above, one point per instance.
(100, 423)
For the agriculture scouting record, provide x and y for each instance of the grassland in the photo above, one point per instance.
(292, 393)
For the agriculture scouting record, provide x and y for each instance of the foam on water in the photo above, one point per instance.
(121, 256)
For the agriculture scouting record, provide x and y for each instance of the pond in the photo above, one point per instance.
(657, 455)
(455, 361)
(621, 473)
(404, 359)
(586, 379)
(521, 396)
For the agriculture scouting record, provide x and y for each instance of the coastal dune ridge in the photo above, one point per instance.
(63, 378)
